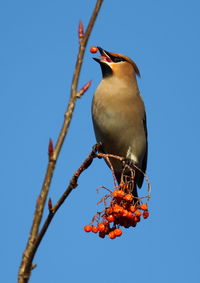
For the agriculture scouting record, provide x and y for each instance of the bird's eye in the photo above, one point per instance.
(117, 59)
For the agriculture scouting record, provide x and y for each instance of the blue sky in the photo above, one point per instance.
(38, 51)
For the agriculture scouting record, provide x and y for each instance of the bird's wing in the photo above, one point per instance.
(144, 161)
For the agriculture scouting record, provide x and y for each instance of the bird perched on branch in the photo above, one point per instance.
(118, 114)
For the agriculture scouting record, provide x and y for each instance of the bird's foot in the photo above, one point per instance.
(97, 148)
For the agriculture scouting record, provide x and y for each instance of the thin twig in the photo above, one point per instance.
(26, 263)
(120, 158)
(72, 184)
(112, 169)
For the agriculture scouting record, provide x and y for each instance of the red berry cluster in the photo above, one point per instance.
(124, 210)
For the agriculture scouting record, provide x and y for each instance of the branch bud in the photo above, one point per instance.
(50, 206)
(80, 30)
(50, 148)
(83, 89)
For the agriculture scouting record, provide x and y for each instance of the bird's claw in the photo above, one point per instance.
(97, 147)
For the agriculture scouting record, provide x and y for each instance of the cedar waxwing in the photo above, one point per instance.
(118, 114)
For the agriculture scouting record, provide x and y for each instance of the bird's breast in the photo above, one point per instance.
(117, 114)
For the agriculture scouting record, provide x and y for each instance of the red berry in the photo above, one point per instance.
(93, 49)
(88, 228)
(121, 185)
(132, 208)
(121, 194)
(115, 193)
(95, 229)
(109, 210)
(101, 227)
(145, 214)
(138, 213)
(136, 218)
(102, 234)
(127, 224)
(112, 235)
(105, 222)
(125, 213)
(110, 218)
(144, 206)
(121, 221)
(118, 194)
(126, 186)
(129, 215)
(128, 197)
(118, 232)
(133, 223)
(117, 208)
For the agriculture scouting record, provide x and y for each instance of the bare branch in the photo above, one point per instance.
(26, 263)
(73, 184)
(52, 210)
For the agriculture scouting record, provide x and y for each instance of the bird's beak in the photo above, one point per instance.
(105, 56)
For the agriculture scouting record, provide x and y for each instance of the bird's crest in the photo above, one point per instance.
(126, 58)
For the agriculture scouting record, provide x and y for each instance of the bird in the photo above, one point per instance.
(118, 114)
